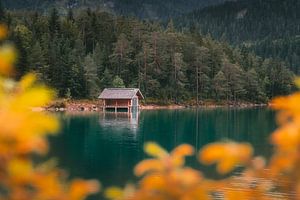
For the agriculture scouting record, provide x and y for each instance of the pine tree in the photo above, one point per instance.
(23, 39)
(121, 57)
(220, 86)
(144, 67)
(99, 56)
(54, 22)
(37, 61)
(92, 80)
(106, 80)
(70, 16)
(179, 78)
(118, 82)
(234, 76)
(277, 78)
(252, 87)
(2, 12)
(201, 70)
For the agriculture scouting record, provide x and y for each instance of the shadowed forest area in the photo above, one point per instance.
(86, 51)
(270, 28)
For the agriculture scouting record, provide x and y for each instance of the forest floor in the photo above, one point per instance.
(96, 105)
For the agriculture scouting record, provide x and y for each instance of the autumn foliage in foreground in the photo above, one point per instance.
(23, 135)
(164, 177)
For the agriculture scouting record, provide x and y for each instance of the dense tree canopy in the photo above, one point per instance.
(86, 51)
(270, 28)
(151, 9)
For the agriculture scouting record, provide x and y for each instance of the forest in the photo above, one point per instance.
(269, 28)
(85, 51)
(150, 9)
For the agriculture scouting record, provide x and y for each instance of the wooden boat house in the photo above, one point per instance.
(121, 99)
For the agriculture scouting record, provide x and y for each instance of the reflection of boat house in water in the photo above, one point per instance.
(121, 99)
(120, 121)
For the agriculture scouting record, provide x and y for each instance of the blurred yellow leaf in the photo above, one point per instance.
(297, 82)
(286, 137)
(33, 97)
(3, 31)
(7, 59)
(282, 163)
(27, 81)
(178, 155)
(114, 193)
(37, 145)
(198, 192)
(186, 177)
(80, 189)
(226, 155)
(288, 103)
(183, 150)
(154, 182)
(155, 150)
(19, 167)
(149, 165)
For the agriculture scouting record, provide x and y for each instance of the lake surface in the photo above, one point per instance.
(108, 146)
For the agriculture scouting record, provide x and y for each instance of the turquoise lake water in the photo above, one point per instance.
(107, 146)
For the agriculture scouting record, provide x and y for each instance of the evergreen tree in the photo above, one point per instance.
(92, 80)
(37, 61)
(220, 86)
(70, 16)
(99, 57)
(179, 78)
(121, 57)
(201, 70)
(234, 76)
(2, 12)
(106, 80)
(118, 82)
(54, 22)
(23, 39)
(144, 64)
(253, 87)
(277, 84)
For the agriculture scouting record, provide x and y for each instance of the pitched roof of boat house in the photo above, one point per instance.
(121, 93)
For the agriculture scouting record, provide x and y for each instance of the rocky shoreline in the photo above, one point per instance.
(95, 106)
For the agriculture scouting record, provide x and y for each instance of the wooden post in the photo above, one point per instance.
(128, 106)
(104, 105)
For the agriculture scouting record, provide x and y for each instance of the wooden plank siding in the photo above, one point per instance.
(117, 102)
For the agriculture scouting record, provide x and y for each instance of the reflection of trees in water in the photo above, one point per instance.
(199, 127)
(234, 124)
(113, 143)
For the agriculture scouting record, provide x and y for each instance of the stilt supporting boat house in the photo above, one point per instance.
(121, 99)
